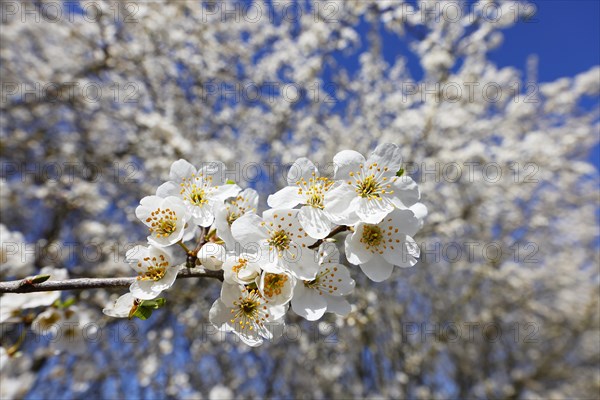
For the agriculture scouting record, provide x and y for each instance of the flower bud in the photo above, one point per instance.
(212, 256)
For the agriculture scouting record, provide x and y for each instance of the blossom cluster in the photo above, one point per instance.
(287, 257)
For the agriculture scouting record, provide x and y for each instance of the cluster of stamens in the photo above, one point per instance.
(369, 183)
(156, 270)
(378, 239)
(314, 190)
(274, 283)
(371, 237)
(242, 262)
(279, 241)
(194, 189)
(324, 281)
(249, 311)
(162, 222)
(237, 204)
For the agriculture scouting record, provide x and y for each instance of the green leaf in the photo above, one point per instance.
(230, 182)
(400, 172)
(154, 304)
(144, 310)
(142, 313)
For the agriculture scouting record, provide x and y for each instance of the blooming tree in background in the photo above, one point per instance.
(99, 104)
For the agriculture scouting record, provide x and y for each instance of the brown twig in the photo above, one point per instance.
(22, 286)
(334, 232)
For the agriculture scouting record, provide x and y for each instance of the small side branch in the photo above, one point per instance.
(25, 285)
(334, 232)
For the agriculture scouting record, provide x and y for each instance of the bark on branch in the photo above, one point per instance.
(25, 286)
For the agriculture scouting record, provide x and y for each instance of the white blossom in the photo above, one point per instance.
(242, 269)
(166, 219)
(155, 271)
(308, 188)
(324, 293)
(245, 202)
(247, 314)
(277, 288)
(201, 190)
(121, 307)
(212, 256)
(280, 241)
(370, 189)
(378, 247)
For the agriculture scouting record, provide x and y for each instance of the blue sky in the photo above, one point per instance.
(565, 35)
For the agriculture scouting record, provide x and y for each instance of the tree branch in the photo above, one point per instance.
(334, 232)
(25, 286)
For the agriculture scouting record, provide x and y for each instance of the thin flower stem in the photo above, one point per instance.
(184, 247)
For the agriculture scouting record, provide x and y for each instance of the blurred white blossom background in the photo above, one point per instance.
(99, 101)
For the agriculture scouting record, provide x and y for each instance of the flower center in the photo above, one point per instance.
(371, 236)
(195, 189)
(197, 197)
(324, 281)
(249, 311)
(249, 306)
(279, 240)
(274, 284)
(373, 185)
(163, 222)
(156, 270)
(368, 188)
(314, 189)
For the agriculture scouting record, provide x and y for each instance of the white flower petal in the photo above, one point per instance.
(250, 337)
(356, 252)
(219, 315)
(372, 211)
(276, 313)
(377, 269)
(147, 205)
(315, 222)
(302, 262)
(212, 256)
(406, 192)
(248, 230)
(341, 203)
(405, 221)
(181, 169)
(203, 215)
(121, 307)
(223, 227)
(135, 255)
(307, 303)
(302, 168)
(287, 197)
(226, 191)
(420, 211)
(143, 290)
(168, 188)
(214, 169)
(346, 161)
(387, 155)
(338, 305)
